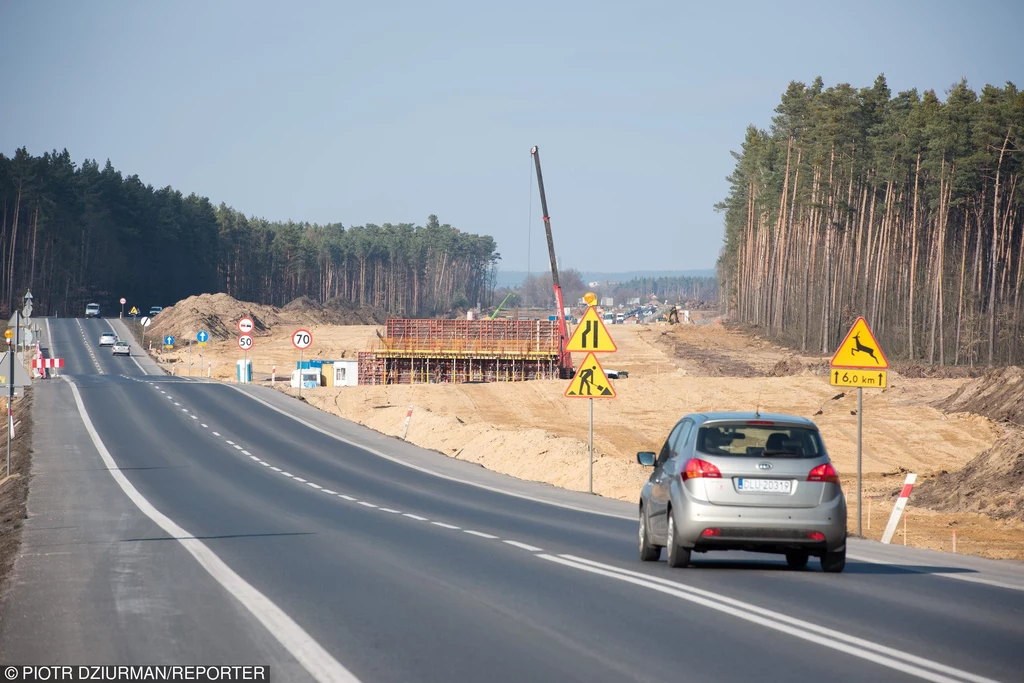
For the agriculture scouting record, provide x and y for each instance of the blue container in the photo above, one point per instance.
(243, 371)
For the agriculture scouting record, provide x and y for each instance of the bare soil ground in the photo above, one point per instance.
(530, 430)
(14, 491)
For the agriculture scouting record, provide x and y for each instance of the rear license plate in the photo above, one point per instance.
(765, 485)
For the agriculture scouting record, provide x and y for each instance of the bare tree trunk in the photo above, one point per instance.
(913, 264)
(995, 251)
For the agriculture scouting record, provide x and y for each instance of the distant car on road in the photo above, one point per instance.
(743, 481)
(108, 339)
(92, 310)
(121, 348)
(154, 310)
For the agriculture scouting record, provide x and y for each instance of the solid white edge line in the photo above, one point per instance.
(776, 625)
(946, 575)
(525, 546)
(374, 451)
(785, 618)
(300, 644)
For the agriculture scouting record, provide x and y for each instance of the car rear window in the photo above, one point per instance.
(757, 441)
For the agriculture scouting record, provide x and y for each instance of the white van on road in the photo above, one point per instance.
(92, 310)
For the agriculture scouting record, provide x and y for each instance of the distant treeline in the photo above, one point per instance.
(77, 234)
(668, 289)
(906, 210)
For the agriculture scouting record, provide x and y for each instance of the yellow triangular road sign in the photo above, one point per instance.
(591, 335)
(134, 311)
(860, 349)
(590, 381)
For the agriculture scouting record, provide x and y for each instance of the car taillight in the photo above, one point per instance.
(760, 422)
(815, 535)
(695, 469)
(825, 473)
(711, 532)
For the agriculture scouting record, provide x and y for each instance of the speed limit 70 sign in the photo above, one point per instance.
(245, 342)
(302, 339)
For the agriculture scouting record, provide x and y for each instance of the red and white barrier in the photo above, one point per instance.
(408, 417)
(40, 363)
(897, 511)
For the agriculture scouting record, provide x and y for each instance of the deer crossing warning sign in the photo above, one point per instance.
(591, 335)
(860, 350)
(590, 381)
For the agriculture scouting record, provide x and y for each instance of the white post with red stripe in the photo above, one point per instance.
(408, 417)
(897, 511)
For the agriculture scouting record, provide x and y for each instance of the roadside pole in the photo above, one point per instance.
(190, 357)
(10, 401)
(591, 485)
(860, 431)
(302, 339)
(859, 362)
(300, 373)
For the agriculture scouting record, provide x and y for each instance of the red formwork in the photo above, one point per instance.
(415, 351)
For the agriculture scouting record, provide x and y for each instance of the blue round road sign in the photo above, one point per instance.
(168, 340)
(203, 336)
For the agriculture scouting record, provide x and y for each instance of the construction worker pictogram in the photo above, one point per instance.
(590, 381)
(591, 335)
(860, 349)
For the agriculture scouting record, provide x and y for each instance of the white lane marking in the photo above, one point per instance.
(288, 474)
(299, 479)
(245, 452)
(265, 464)
(328, 491)
(396, 512)
(446, 526)
(478, 533)
(184, 410)
(216, 433)
(193, 417)
(416, 517)
(162, 391)
(948, 575)
(300, 644)
(524, 546)
(369, 505)
(276, 469)
(425, 470)
(316, 486)
(253, 457)
(230, 442)
(836, 640)
(237, 447)
(342, 495)
(204, 426)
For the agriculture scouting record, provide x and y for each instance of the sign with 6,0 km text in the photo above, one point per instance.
(870, 379)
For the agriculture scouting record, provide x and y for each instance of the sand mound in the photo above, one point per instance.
(786, 367)
(219, 313)
(998, 395)
(992, 483)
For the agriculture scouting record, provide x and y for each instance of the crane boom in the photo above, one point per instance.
(564, 358)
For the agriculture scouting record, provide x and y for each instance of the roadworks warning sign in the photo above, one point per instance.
(590, 381)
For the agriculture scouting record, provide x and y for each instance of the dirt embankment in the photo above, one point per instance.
(14, 491)
(993, 482)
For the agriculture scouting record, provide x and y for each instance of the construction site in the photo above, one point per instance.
(422, 351)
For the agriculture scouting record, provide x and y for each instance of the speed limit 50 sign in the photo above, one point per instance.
(245, 342)
(302, 339)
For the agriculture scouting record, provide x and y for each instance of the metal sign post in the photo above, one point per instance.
(591, 485)
(860, 431)
(190, 357)
(10, 398)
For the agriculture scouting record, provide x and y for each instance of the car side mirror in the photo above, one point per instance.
(646, 458)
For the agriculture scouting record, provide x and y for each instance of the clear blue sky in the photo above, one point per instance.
(390, 111)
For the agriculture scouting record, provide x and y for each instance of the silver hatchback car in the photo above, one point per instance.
(743, 481)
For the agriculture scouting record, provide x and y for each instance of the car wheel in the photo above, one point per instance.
(797, 559)
(677, 556)
(833, 563)
(648, 552)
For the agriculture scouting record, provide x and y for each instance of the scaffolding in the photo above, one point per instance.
(419, 351)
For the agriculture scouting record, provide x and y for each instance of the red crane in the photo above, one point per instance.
(565, 370)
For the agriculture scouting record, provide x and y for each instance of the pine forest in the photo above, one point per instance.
(75, 234)
(907, 210)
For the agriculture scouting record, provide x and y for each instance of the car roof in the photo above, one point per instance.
(724, 415)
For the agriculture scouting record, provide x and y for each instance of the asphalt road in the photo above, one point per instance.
(328, 551)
